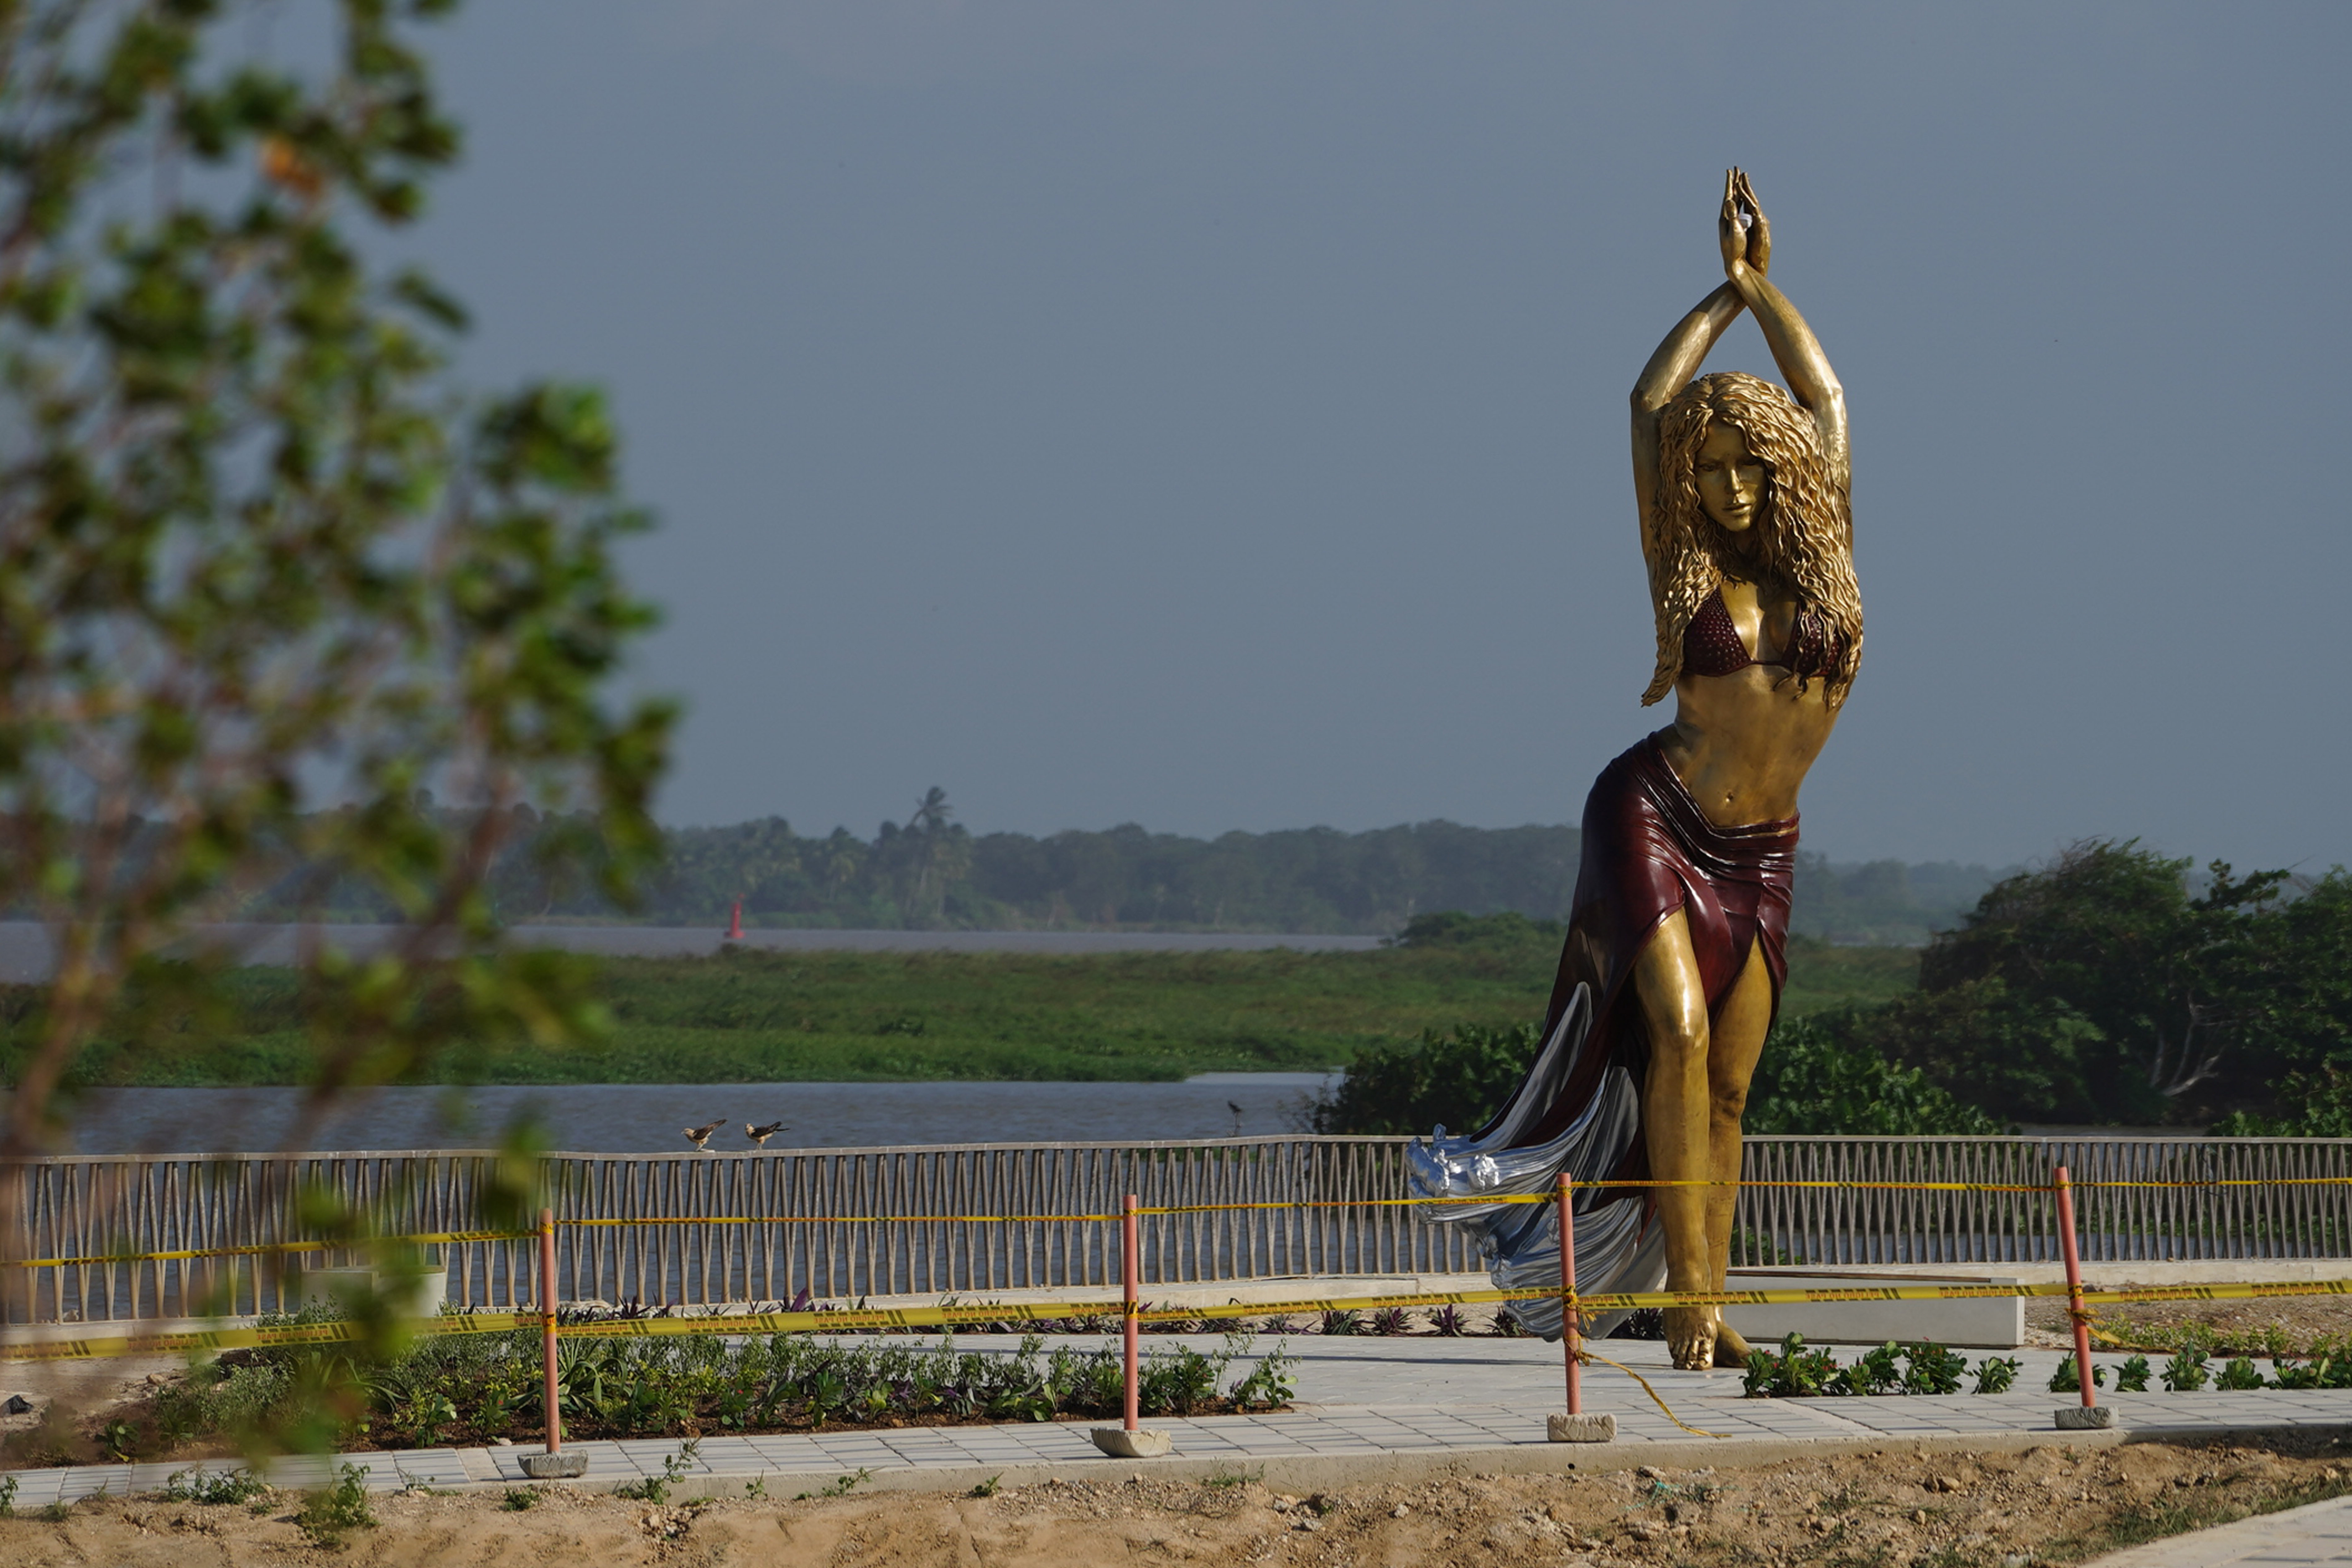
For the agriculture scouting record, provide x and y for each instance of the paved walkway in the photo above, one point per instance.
(2296, 1538)
(1395, 1408)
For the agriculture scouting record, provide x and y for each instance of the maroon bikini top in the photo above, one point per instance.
(1711, 644)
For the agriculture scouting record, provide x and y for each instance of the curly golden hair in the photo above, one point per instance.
(1805, 528)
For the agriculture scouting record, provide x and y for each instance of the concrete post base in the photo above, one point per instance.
(1141, 1444)
(1566, 1428)
(555, 1466)
(2086, 1418)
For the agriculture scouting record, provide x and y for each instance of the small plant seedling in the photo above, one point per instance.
(1342, 1320)
(986, 1488)
(655, 1489)
(520, 1498)
(756, 1488)
(213, 1486)
(58, 1511)
(2131, 1377)
(9, 1498)
(1448, 1320)
(332, 1510)
(842, 1486)
(1235, 1477)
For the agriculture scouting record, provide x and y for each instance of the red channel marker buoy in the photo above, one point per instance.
(735, 924)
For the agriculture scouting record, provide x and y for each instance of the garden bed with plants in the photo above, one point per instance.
(478, 1389)
(1797, 1371)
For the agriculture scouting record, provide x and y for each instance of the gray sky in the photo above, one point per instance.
(1212, 414)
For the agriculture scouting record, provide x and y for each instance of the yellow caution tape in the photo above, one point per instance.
(854, 1319)
(261, 1248)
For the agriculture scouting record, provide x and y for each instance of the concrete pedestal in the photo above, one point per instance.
(555, 1466)
(2085, 1418)
(1565, 1428)
(1141, 1444)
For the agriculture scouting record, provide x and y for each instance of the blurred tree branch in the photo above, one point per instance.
(268, 585)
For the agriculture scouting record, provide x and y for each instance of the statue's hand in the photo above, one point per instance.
(1760, 230)
(1731, 225)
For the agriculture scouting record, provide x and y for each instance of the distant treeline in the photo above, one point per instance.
(930, 872)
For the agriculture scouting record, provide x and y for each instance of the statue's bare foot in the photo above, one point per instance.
(1690, 1336)
(1730, 1348)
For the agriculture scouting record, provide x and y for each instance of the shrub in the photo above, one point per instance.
(2068, 1380)
(1995, 1373)
(2186, 1371)
(1930, 1368)
(1794, 1372)
(2239, 1375)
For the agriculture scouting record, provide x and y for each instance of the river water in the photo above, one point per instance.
(629, 1119)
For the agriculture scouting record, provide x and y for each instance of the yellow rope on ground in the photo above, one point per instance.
(1589, 1356)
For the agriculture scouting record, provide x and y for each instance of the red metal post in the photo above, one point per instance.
(1128, 1254)
(2074, 1286)
(1569, 1316)
(553, 1405)
(735, 924)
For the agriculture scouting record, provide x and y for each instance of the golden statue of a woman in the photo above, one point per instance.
(1676, 948)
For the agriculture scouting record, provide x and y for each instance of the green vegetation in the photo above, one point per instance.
(1922, 1367)
(2107, 987)
(473, 1388)
(752, 1016)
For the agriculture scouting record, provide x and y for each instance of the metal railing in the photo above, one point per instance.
(97, 1205)
(2138, 1200)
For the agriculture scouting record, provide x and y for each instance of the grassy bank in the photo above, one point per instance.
(744, 1016)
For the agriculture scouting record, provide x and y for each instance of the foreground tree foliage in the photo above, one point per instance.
(269, 577)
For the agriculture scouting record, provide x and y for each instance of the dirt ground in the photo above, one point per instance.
(2288, 1325)
(2047, 1505)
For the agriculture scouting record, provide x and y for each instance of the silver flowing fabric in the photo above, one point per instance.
(1614, 1250)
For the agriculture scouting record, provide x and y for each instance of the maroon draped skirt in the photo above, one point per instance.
(1648, 851)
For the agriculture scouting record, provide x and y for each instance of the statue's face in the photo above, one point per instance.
(1730, 479)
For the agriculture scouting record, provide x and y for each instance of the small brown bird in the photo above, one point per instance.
(761, 1135)
(698, 1136)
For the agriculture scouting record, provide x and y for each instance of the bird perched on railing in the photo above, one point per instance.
(760, 1135)
(699, 1136)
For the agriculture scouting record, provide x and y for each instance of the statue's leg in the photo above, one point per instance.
(1675, 1102)
(1738, 1043)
